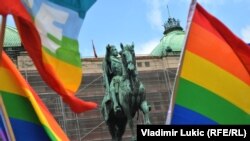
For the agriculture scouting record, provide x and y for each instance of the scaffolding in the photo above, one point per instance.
(156, 74)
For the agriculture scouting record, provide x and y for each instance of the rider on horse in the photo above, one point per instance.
(112, 75)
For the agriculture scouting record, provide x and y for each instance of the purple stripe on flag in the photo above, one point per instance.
(2, 135)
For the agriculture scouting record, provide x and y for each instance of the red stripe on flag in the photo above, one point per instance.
(241, 49)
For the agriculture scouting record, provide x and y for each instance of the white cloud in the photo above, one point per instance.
(154, 14)
(146, 47)
(245, 32)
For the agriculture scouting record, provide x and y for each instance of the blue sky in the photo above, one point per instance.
(140, 21)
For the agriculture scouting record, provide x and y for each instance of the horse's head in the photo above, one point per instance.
(127, 55)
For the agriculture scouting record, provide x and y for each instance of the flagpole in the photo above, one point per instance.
(2, 31)
(93, 46)
(172, 101)
(11, 135)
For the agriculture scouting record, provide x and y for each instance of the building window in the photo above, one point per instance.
(139, 64)
(147, 64)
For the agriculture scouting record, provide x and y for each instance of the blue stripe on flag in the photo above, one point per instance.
(80, 6)
(27, 131)
(185, 116)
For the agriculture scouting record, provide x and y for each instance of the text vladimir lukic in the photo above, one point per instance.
(196, 132)
(180, 132)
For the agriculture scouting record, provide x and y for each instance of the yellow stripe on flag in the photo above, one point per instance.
(71, 77)
(217, 80)
(8, 83)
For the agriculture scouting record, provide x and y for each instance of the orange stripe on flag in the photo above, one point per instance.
(209, 46)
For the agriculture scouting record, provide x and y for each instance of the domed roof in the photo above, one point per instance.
(172, 41)
(11, 37)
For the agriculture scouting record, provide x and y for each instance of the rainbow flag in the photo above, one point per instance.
(29, 117)
(213, 83)
(49, 30)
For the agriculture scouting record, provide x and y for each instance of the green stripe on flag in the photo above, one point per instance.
(19, 107)
(50, 134)
(67, 52)
(207, 103)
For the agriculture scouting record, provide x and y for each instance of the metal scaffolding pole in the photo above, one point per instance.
(92, 130)
(63, 116)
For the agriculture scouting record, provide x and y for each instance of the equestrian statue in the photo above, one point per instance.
(124, 92)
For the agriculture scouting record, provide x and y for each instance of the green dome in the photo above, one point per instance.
(172, 41)
(11, 37)
(12, 43)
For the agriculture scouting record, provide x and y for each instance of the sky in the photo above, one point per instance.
(141, 22)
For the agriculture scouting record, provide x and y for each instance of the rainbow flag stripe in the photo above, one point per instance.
(29, 117)
(213, 87)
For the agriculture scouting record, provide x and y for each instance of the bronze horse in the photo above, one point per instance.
(131, 98)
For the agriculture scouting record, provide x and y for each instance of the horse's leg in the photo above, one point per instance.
(122, 126)
(144, 106)
(132, 127)
(113, 130)
(129, 118)
(113, 126)
(145, 109)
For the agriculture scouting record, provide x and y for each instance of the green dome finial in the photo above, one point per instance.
(171, 25)
(172, 41)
